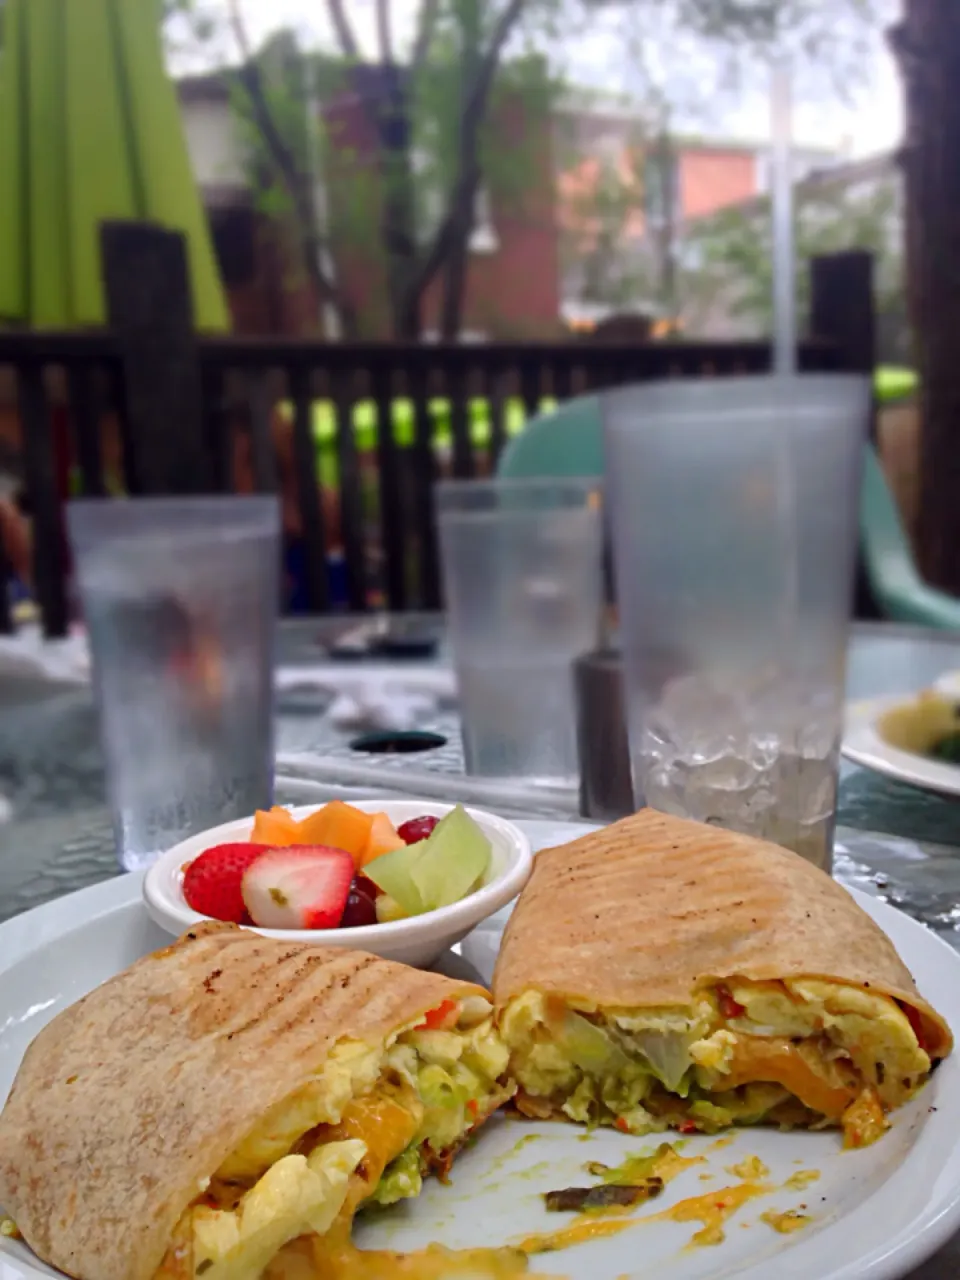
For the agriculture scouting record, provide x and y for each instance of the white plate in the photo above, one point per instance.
(417, 941)
(863, 745)
(877, 1213)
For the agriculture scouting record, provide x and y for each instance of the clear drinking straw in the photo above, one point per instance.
(784, 278)
(785, 366)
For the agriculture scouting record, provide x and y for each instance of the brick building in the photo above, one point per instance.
(517, 284)
(664, 185)
(513, 276)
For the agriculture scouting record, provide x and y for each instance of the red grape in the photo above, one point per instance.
(360, 909)
(416, 829)
(363, 884)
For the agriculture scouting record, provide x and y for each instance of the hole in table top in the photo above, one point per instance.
(387, 743)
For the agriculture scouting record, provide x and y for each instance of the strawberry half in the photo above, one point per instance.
(211, 882)
(301, 887)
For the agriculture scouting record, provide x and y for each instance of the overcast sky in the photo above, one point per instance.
(870, 121)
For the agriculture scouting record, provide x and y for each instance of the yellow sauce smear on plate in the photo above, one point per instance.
(596, 1224)
(346, 1262)
(712, 1209)
(665, 1163)
(721, 1143)
(586, 1226)
(785, 1223)
(802, 1178)
(301, 1261)
(750, 1170)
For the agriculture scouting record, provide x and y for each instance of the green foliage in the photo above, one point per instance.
(416, 182)
(831, 37)
(512, 133)
(604, 207)
(667, 45)
(302, 93)
(189, 23)
(728, 256)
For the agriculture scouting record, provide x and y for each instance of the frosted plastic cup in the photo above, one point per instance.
(523, 583)
(179, 598)
(733, 507)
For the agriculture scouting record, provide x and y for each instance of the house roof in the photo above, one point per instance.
(830, 178)
(619, 108)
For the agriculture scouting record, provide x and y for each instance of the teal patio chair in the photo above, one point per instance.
(569, 442)
(900, 592)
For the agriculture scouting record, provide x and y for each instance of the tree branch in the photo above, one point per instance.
(341, 25)
(284, 164)
(426, 26)
(384, 37)
(239, 28)
(468, 175)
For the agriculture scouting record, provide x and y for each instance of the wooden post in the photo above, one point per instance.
(842, 312)
(6, 578)
(308, 491)
(82, 380)
(49, 579)
(150, 311)
(927, 45)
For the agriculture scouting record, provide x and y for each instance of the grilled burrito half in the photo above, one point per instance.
(664, 973)
(232, 1094)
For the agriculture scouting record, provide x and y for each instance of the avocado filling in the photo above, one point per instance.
(805, 1053)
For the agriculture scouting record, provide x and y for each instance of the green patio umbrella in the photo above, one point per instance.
(90, 130)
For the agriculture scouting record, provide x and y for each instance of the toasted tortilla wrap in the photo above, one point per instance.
(664, 973)
(233, 1093)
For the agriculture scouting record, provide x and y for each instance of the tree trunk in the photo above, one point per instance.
(455, 275)
(928, 47)
(279, 162)
(398, 214)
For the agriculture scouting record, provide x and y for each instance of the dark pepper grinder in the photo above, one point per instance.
(606, 787)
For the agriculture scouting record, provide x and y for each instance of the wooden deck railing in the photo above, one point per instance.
(172, 411)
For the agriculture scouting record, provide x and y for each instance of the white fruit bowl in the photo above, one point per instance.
(419, 940)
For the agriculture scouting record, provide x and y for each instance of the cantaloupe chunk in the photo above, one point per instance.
(275, 827)
(339, 825)
(383, 839)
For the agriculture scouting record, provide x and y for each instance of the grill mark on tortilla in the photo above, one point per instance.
(175, 1095)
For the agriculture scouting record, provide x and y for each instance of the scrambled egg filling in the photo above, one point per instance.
(364, 1129)
(802, 1052)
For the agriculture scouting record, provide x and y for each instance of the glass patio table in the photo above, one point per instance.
(893, 841)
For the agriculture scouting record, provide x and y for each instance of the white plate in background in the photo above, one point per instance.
(864, 746)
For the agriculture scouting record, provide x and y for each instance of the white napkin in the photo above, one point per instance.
(375, 697)
(368, 696)
(28, 654)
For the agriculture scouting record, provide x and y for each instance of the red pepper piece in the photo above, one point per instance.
(436, 1019)
(729, 1007)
